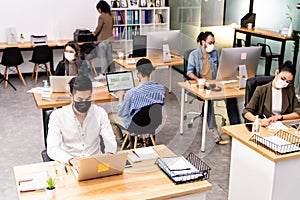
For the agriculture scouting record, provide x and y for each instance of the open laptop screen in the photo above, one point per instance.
(119, 81)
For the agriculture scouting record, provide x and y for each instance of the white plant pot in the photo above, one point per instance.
(50, 193)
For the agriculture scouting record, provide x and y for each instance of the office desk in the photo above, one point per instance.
(100, 95)
(156, 62)
(144, 180)
(257, 173)
(227, 92)
(266, 34)
(27, 46)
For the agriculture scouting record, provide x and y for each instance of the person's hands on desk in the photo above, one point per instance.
(120, 95)
(74, 162)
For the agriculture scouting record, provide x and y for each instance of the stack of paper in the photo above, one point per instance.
(179, 169)
(145, 153)
(33, 181)
(277, 126)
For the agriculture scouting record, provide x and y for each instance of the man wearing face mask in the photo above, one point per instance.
(203, 63)
(75, 130)
(71, 64)
(276, 100)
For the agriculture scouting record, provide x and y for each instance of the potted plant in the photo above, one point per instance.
(50, 190)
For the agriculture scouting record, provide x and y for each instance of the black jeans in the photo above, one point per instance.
(232, 111)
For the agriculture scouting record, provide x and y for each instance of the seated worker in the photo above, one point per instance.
(71, 64)
(276, 100)
(145, 94)
(203, 62)
(75, 130)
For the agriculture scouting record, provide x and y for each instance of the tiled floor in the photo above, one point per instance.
(21, 134)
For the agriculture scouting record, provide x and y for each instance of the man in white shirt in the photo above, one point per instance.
(75, 130)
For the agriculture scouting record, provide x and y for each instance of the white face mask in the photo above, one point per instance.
(280, 83)
(69, 56)
(209, 48)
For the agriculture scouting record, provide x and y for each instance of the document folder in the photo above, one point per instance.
(181, 170)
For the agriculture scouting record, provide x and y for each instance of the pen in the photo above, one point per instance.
(135, 154)
(66, 169)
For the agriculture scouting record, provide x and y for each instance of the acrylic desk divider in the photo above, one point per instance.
(281, 142)
(181, 170)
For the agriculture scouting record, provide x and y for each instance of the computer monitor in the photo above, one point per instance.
(231, 58)
(155, 41)
(139, 45)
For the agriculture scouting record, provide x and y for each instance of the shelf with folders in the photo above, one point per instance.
(139, 20)
(125, 32)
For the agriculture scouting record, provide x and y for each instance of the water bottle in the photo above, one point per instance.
(256, 126)
(46, 92)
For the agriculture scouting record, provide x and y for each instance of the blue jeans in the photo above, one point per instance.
(211, 120)
(105, 55)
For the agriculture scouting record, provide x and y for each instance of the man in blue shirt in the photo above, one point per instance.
(145, 94)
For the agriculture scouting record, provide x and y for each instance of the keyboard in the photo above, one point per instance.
(229, 81)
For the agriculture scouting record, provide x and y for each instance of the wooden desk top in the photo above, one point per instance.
(100, 95)
(227, 91)
(263, 32)
(142, 181)
(240, 133)
(156, 62)
(28, 45)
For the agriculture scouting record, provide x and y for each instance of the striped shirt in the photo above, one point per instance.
(145, 94)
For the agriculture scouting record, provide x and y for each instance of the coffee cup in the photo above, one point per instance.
(201, 84)
(249, 25)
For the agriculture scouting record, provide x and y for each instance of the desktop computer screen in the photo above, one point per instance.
(156, 40)
(231, 58)
(139, 45)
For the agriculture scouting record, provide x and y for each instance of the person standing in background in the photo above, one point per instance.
(104, 33)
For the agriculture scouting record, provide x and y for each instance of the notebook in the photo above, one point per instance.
(100, 166)
(60, 83)
(117, 81)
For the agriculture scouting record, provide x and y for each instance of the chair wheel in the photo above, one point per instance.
(190, 125)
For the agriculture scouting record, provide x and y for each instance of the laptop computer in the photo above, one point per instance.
(117, 81)
(101, 165)
(60, 83)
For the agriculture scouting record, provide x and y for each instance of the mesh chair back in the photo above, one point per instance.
(146, 120)
(185, 62)
(266, 50)
(252, 83)
(12, 57)
(41, 54)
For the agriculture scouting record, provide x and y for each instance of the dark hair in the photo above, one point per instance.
(288, 66)
(80, 83)
(74, 46)
(144, 66)
(104, 6)
(204, 35)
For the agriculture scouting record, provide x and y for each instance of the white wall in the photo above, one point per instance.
(56, 18)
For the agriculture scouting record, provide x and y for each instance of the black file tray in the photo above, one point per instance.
(292, 142)
(197, 163)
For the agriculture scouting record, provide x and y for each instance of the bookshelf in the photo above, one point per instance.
(137, 21)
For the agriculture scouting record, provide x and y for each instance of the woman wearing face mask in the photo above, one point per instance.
(71, 64)
(275, 100)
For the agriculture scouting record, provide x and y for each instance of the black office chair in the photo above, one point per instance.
(40, 57)
(88, 52)
(12, 57)
(144, 123)
(185, 77)
(251, 85)
(44, 154)
(267, 53)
